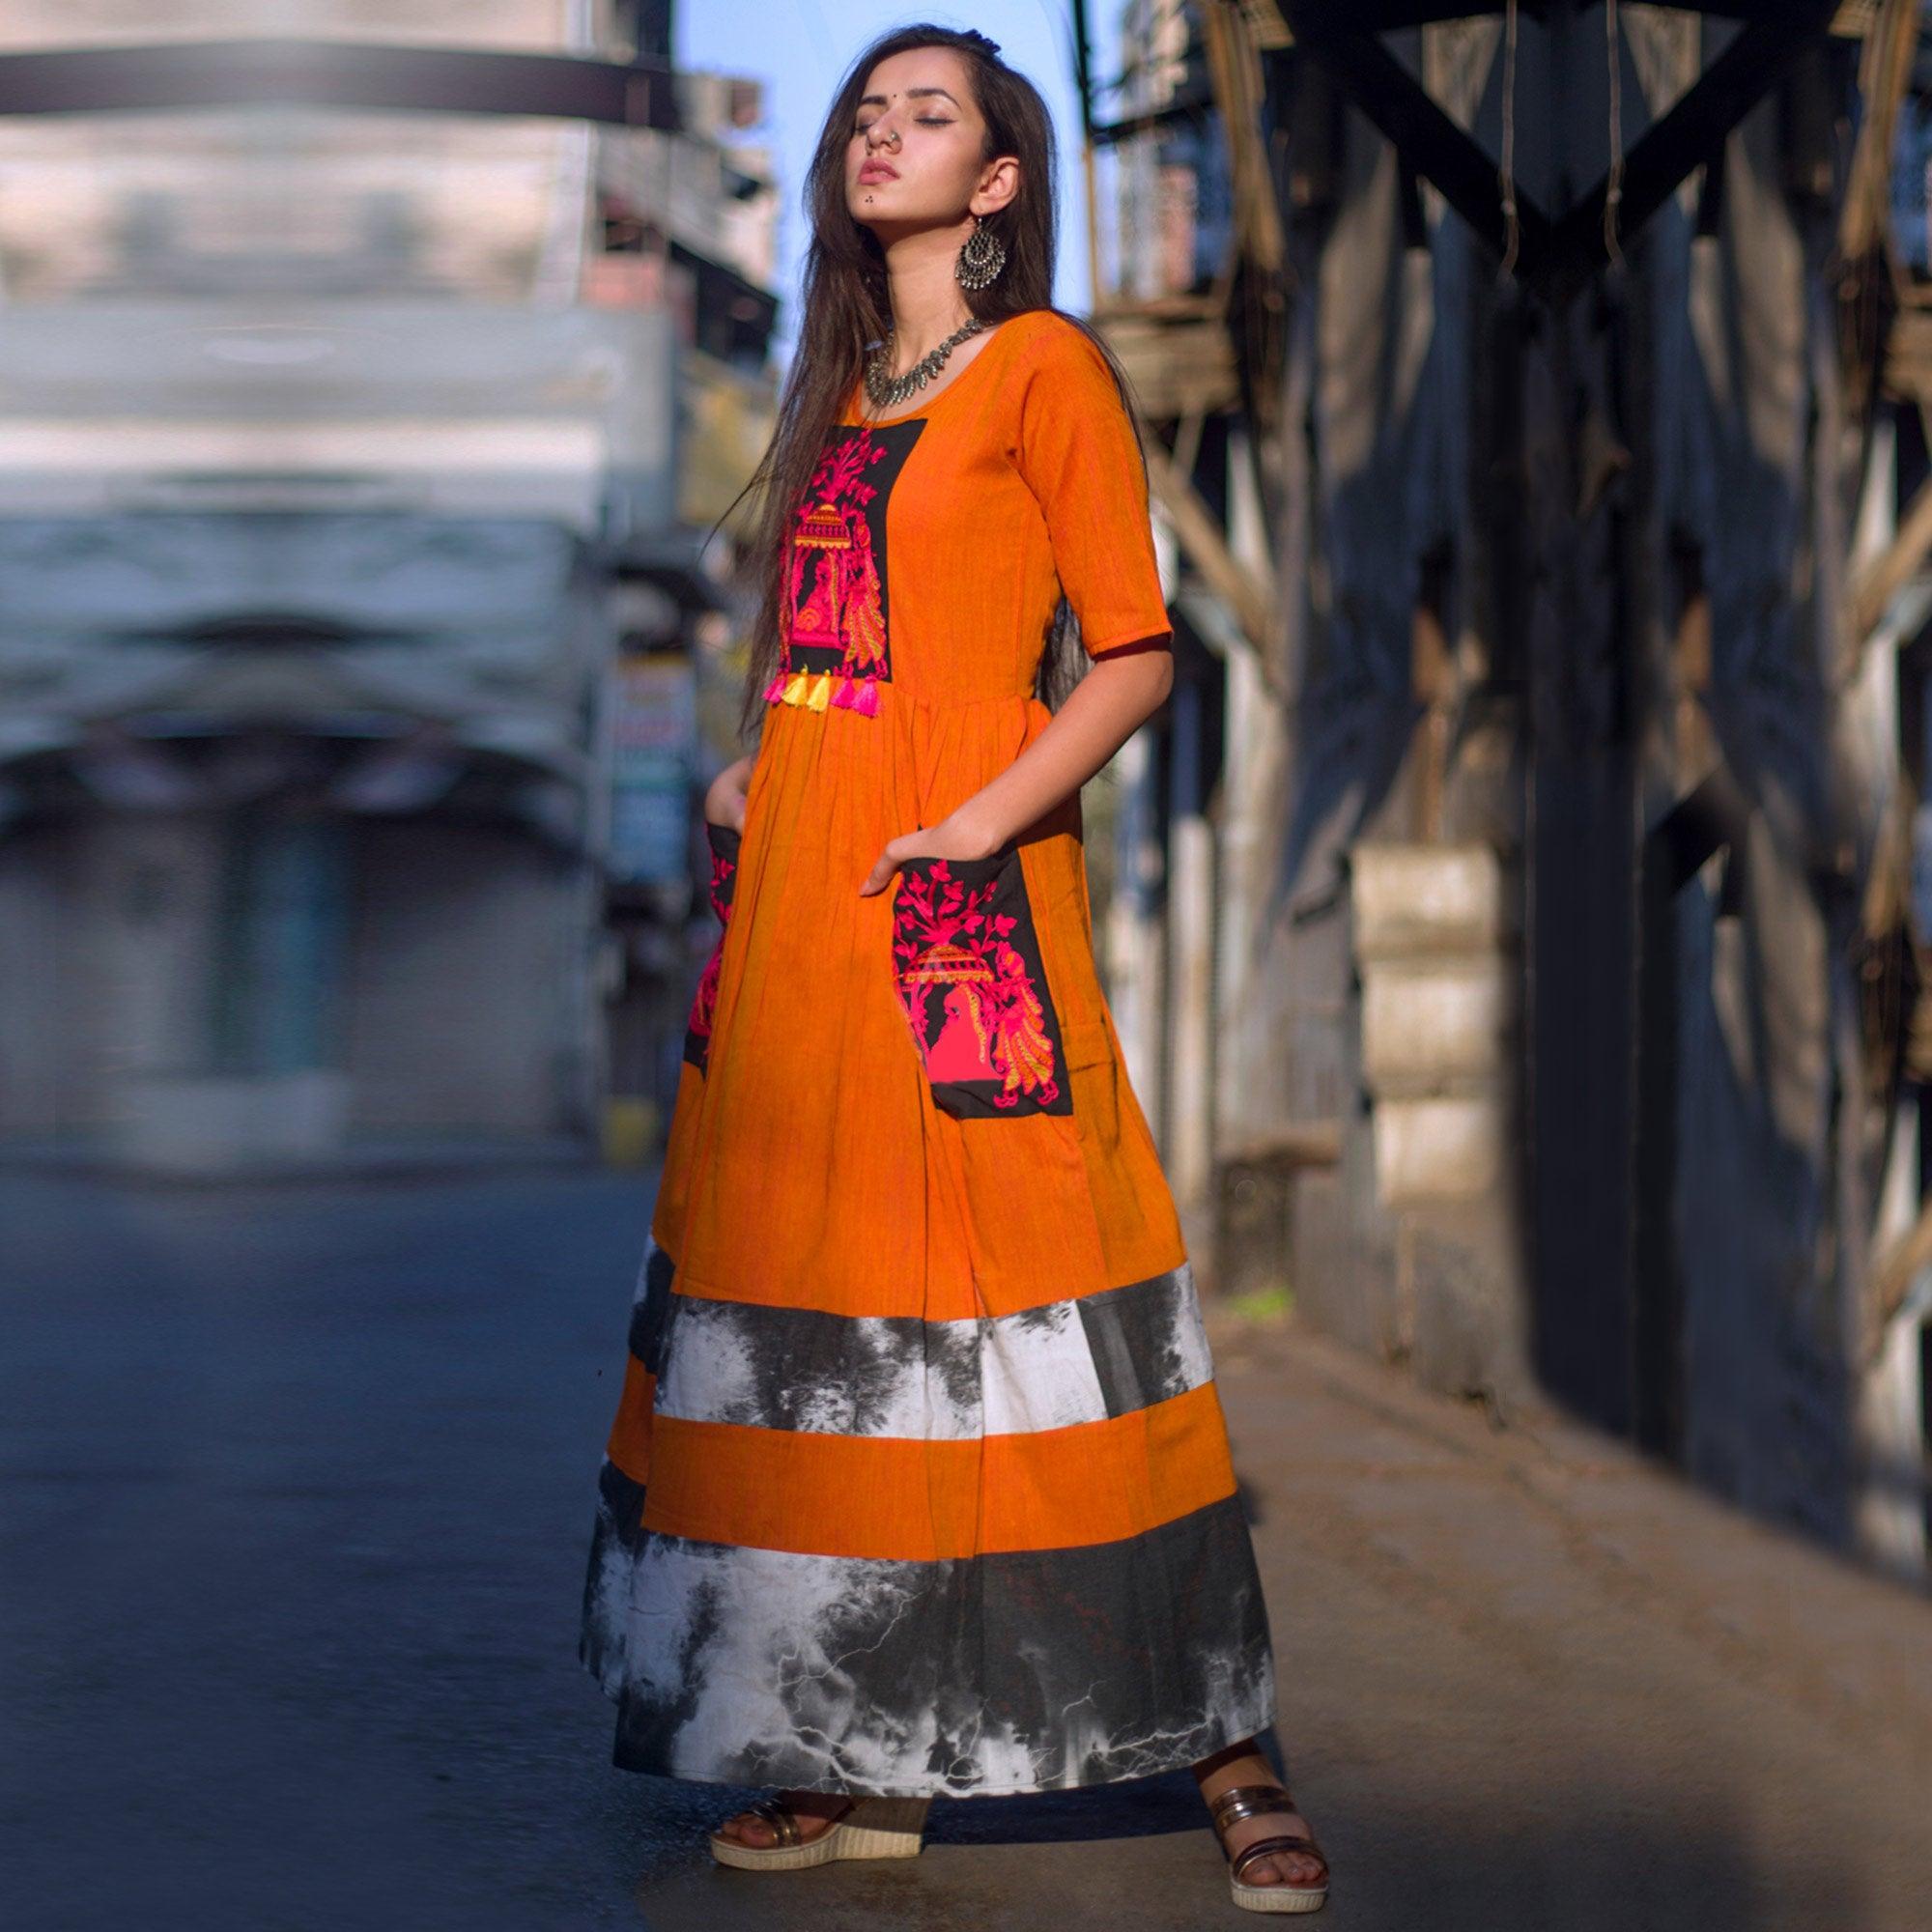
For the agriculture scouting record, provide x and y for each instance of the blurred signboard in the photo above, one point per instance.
(653, 765)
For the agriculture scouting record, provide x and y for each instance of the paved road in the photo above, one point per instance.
(298, 1483)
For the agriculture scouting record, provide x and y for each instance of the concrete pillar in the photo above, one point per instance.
(1190, 933)
(1138, 988)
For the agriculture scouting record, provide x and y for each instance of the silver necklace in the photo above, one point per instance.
(887, 391)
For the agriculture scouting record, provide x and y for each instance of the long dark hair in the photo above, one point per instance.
(845, 307)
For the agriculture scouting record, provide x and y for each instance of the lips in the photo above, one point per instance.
(878, 171)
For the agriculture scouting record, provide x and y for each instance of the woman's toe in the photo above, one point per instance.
(1285, 1868)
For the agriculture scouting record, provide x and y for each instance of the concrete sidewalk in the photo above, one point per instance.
(1530, 1679)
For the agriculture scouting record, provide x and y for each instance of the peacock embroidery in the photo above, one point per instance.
(967, 971)
(832, 623)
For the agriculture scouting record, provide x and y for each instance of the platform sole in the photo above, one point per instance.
(875, 1827)
(1279, 1897)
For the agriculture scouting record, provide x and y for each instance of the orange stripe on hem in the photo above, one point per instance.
(898, 1498)
(630, 1444)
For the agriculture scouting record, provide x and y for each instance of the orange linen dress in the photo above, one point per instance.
(920, 1483)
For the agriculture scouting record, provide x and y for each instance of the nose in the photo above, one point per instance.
(878, 135)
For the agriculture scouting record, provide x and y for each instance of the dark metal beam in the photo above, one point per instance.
(1384, 91)
(1322, 22)
(1797, 15)
(1692, 130)
(333, 74)
(1557, 258)
(1083, 68)
(1382, 16)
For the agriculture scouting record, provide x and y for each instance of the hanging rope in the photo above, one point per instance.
(1613, 182)
(1506, 174)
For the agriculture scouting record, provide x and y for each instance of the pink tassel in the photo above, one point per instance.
(867, 699)
(775, 690)
(841, 696)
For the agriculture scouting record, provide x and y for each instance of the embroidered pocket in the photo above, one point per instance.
(967, 971)
(724, 841)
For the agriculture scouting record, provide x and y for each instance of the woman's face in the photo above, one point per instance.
(916, 158)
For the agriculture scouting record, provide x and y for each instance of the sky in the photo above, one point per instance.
(800, 48)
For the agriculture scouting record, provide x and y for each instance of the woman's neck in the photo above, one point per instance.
(927, 302)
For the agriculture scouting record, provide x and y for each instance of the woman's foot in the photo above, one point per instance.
(1244, 1764)
(817, 1812)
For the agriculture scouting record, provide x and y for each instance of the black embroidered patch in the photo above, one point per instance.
(967, 968)
(834, 611)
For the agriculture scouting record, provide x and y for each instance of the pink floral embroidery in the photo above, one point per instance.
(833, 598)
(833, 630)
(991, 1024)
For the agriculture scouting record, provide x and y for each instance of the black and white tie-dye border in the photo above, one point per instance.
(1087, 1359)
(1011, 1671)
(1007, 1671)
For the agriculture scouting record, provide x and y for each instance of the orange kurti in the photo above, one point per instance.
(918, 1377)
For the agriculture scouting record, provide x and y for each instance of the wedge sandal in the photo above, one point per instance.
(872, 1828)
(1250, 1801)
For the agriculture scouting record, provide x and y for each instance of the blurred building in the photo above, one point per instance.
(354, 467)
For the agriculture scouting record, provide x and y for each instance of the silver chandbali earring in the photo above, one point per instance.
(982, 259)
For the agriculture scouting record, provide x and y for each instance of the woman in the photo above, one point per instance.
(920, 1483)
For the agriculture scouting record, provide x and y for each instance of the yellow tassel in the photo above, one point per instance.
(821, 692)
(794, 692)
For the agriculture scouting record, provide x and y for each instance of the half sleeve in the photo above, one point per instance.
(1077, 451)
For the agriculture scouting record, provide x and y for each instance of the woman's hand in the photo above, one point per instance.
(724, 802)
(957, 835)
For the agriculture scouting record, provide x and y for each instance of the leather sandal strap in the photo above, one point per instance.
(1248, 1800)
(1287, 1841)
(783, 1823)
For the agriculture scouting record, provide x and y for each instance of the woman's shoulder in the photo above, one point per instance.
(1054, 365)
(1046, 335)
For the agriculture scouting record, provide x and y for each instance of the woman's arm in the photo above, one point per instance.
(725, 801)
(1121, 690)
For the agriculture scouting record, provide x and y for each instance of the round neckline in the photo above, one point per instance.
(927, 409)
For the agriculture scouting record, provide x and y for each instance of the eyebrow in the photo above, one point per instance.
(911, 94)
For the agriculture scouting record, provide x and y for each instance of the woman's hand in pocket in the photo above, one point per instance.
(725, 801)
(956, 835)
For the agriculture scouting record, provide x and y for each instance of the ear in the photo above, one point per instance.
(999, 183)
